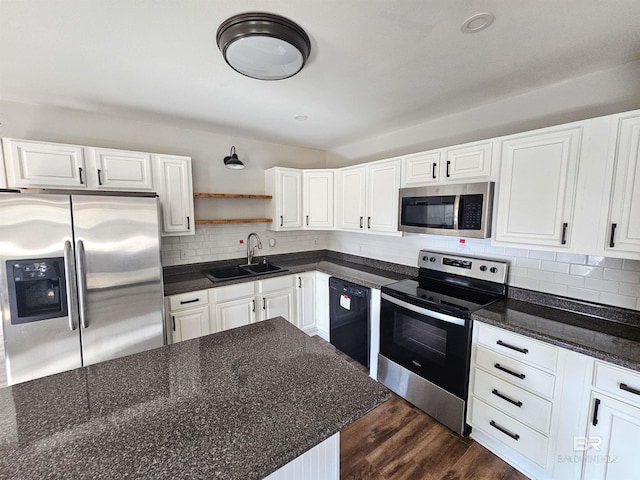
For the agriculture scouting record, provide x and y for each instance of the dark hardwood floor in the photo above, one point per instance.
(398, 441)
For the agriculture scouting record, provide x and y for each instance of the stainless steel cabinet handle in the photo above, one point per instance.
(515, 436)
(510, 372)
(448, 165)
(517, 349)
(517, 403)
(99, 177)
(82, 284)
(80, 173)
(594, 420)
(613, 234)
(70, 275)
(433, 170)
(627, 388)
(564, 233)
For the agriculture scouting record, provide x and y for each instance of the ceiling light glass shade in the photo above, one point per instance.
(263, 45)
(232, 161)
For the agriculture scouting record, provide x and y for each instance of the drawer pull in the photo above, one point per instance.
(594, 420)
(627, 388)
(517, 403)
(189, 301)
(515, 436)
(173, 323)
(433, 170)
(506, 370)
(517, 349)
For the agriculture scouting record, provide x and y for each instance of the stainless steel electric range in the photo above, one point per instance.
(425, 331)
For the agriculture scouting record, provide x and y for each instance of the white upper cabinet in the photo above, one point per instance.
(121, 169)
(351, 198)
(537, 187)
(173, 182)
(318, 196)
(285, 209)
(368, 196)
(421, 168)
(623, 226)
(468, 162)
(383, 184)
(32, 164)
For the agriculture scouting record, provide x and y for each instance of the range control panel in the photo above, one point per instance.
(474, 267)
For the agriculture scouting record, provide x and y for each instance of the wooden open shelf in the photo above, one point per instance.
(231, 195)
(233, 220)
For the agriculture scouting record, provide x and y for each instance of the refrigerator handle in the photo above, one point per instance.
(82, 284)
(70, 276)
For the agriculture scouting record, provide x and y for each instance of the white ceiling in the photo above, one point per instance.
(376, 65)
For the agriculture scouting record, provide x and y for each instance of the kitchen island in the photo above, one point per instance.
(235, 405)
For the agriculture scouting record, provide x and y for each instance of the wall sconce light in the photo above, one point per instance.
(232, 161)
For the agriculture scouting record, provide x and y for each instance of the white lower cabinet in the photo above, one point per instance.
(305, 285)
(235, 313)
(187, 316)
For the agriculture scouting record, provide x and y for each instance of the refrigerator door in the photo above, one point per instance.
(120, 297)
(37, 286)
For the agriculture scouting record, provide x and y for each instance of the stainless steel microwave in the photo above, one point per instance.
(462, 210)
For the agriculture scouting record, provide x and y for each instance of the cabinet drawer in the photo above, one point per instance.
(515, 372)
(188, 300)
(518, 346)
(618, 381)
(273, 284)
(512, 433)
(230, 292)
(520, 404)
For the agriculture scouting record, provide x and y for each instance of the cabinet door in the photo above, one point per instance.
(121, 169)
(352, 197)
(624, 212)
(173, 183)
(383, 185)
(235, 313)
(306, 301)
(467, 162)
(421, 169)
(612, 444)
(45, 165)
(277, 304)
(189, 324)
(537, 188)
(318, 199)
(290, 199)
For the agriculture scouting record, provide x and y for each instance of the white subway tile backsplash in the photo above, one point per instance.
(555, 266)
(528, 263)
(516, 252)
(553, 288)
(583, 294)
(627, 276)
(601, 285)
(586, 271)
(629, 289)
(571, 258)
(528, 283)
(541, 275)
(572, 280)
(618, 300)
(542, 255)
(628, 264)
(604, 261)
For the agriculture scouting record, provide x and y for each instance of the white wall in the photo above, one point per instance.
(600, 93)
(611, 281)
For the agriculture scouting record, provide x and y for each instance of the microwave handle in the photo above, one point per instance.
(456, 213)
(423, 311)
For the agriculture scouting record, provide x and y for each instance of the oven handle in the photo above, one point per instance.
(423, 311)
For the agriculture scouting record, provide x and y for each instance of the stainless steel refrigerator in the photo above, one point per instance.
(80, 280)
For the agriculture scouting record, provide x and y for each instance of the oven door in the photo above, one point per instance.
(434, 345)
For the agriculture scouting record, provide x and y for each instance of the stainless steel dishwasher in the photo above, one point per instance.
(350, 328)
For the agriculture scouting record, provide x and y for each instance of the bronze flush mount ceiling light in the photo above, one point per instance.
(264, 46)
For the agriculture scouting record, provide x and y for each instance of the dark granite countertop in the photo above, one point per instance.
(615, 339)
(365, 272)
(234, 405)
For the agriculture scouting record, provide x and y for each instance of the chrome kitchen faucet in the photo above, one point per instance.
(251, 251)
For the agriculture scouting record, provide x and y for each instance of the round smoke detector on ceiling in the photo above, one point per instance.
(477, 22)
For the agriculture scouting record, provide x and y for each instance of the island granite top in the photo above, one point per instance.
(235, 405)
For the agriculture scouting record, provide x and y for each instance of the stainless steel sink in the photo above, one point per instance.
(241, 271)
